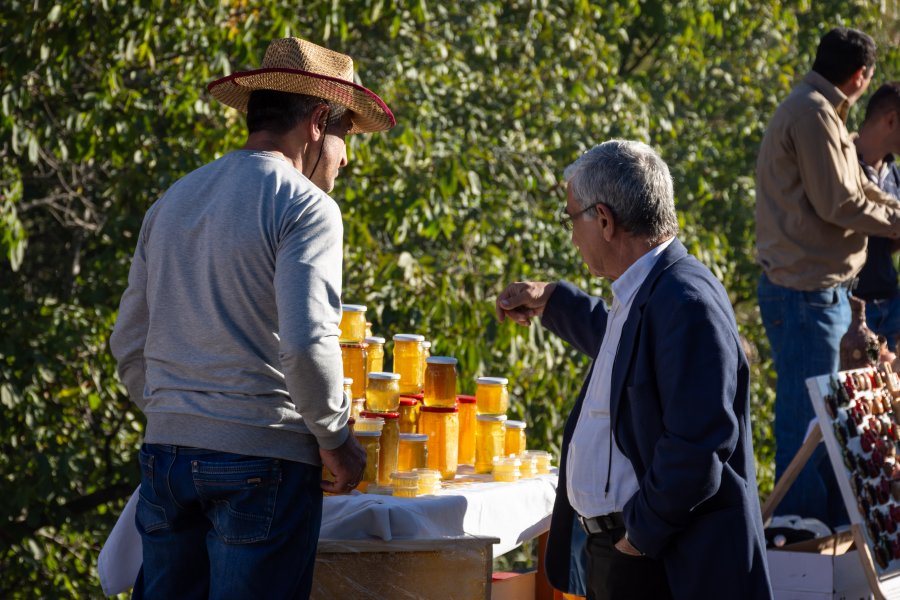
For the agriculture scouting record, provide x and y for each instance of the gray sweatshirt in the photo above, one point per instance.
(227, 335)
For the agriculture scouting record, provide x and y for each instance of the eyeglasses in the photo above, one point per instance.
(568, 221)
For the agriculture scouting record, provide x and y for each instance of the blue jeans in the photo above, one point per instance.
(804, 330)
(218, 525)
(883, 317)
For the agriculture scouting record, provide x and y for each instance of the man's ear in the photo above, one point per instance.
(318, 122)
(606, 222)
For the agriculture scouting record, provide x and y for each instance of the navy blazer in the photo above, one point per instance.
(680, 410)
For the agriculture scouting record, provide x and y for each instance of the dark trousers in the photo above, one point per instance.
(612, 575)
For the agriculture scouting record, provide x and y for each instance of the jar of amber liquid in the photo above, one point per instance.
(409, 415)
(353, 356)
(529, 465)
(440, 381)
(543, 459)
(405, 484)
(390, 444)
(429, 481)
(514, 442)
(491, 395)
(409, 362)
(383, 392)
(467, 414)
(441, 425)
(374, 354)
(506, 468)
(413, 451)
(353, 323)
(490, 440)
(371, 443)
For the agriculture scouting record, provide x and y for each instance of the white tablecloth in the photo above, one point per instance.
(470, 505)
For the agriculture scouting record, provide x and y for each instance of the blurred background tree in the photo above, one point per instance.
(104, 105)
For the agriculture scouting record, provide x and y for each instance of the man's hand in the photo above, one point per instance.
(625, 547)
(347, 463)
(523, 300)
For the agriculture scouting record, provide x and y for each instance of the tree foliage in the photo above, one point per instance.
(104, 105)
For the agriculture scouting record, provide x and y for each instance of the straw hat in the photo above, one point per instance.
(301, 67)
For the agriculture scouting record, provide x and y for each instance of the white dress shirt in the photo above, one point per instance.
(597, 483)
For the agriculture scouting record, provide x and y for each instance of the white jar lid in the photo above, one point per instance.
(348, 380)
(353, 308)
(491, 418)
(426, 344)
(374, 340)
(441, 360)
(414, 437)
(384, 376)
(492, 380)
(515, 424)
(405, 475)
(409, 337)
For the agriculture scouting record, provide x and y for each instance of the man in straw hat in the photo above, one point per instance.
(227, 339)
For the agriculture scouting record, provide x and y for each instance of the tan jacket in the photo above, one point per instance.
(814, 205)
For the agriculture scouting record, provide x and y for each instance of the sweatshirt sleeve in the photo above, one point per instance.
(308, 266)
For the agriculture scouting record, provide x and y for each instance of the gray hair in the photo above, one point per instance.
(630, 179)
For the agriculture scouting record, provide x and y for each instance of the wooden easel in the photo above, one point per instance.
(791, 473)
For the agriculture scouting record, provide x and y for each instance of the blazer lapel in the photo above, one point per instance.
(624, 353)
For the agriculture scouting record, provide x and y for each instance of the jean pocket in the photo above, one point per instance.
(149, 516)
(826, 298)
(241, 495)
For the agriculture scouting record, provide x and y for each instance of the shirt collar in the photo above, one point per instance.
(831, 92)
(625, 287)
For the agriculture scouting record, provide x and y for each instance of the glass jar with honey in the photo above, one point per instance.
(543, 459)
(506, 468)
(405, 484)
(429, 481)
(529, 465)
(441, 425)
(492, 395)
(371, 443)
(413, 451)
(383, 392)
(389, 444)
(409, 362)
(514, 442)
(353, 323)
(440, 381)
(374, 354)
(353, 356)
(409, 414)
(490, 441)
(467, 423)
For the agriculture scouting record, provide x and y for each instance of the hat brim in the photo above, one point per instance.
(370, 113)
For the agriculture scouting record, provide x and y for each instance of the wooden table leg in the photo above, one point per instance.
(542, 588)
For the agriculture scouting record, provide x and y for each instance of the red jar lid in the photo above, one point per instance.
(413, 396)
(465, 399)
(379, 415)
(404, 401)
(440, 409)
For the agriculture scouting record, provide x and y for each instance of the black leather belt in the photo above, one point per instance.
(603, 523)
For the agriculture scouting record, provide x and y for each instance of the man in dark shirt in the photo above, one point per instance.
(878, 140)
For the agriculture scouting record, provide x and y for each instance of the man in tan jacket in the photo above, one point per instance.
(814, 211)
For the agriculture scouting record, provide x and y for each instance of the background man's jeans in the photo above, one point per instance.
(883, 317)
(804, 330)
(218, 525)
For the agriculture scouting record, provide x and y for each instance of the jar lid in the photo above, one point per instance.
(490, 418)
(441, 409)
(371, 414)
(465, 399)
(538, 453)
(348, 380)
(515, 424)
(353, 308)
(413, 396)
(409, 337)
(441, 360)
(407, 401)
(407, 475)
(492, 380)
(366, 433)
(354, 345)
(426, 344)
(508, 461)
(374, 339)
(384, 376)
(414, 437)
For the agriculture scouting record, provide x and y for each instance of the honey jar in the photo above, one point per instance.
(514, 442)
(409, 362)
(405, 484)
(467, 424)
(374, 354)
(441, 425)
(348, 388)
(368, 423)
(353, 356)
(409, 414)
(371, 443)
(429, 481)
(389, 444)
(413, 452)
(353, 323)
(383, 392)
(506, 468)
(440, 381)
(543, 460)
(426, 349)
(529, 465)
(490, 440)
(491, 395)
